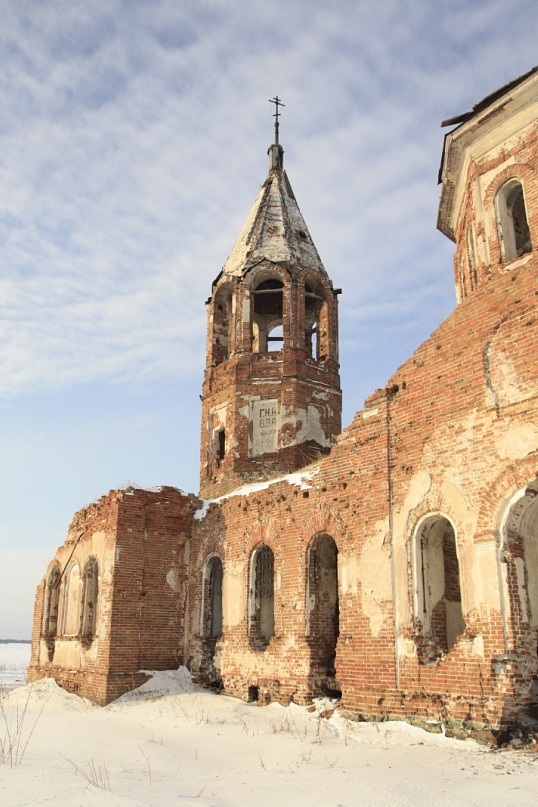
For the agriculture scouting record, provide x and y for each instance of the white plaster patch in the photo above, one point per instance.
(461, 436)
(477, 647)
(518, 441)
(264, 416)
(488, 577)
(405, 647)
(504, 379)
(457, 505)
(373, 572)
(234, 598)
(173, 579)
(311, 428)
(419, 487)
(348, 572)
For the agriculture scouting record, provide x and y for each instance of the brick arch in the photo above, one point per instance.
(434, 504)
(495, 499)
(263, 533)
(212, 546)
(264, 270)
(437, 594)
(520, 171)
(211, 606)
(261, 595)
(323, 520)
(268, 313)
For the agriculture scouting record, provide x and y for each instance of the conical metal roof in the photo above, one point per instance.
(275, 229)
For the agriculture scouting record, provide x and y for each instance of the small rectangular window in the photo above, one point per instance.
(220, 444)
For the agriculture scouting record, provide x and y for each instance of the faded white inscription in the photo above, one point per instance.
(264, 416)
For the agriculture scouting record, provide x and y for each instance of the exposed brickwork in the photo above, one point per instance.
(141, 541)
(279, 409)
(359, 605)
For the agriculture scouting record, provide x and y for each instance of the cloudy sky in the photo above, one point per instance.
(133, 138)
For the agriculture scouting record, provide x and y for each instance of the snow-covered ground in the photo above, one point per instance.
(14, 659)
(174, 744)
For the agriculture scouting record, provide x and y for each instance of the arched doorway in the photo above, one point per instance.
(322, 611)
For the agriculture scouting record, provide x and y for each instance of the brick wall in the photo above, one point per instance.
(140, 540)
(434, 446)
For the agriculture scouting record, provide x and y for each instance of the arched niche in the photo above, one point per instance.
(437, 590)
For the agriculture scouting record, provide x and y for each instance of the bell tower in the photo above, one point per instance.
(271, 399)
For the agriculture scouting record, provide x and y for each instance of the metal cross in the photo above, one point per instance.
(277, 102)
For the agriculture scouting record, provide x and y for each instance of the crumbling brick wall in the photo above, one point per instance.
(433, 443)
(140, 540)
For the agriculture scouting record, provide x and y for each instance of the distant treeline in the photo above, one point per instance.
(15, 641)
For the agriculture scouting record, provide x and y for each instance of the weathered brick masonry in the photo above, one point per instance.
(396, 562)
(140, 539)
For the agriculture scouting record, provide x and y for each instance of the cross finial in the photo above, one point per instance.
(277, 102)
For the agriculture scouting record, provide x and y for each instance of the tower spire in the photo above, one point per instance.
(276, 152)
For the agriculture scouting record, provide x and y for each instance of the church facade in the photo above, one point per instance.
(394, 563)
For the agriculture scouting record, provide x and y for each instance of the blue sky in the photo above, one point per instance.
(133, 142)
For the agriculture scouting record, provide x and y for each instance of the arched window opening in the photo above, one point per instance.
(212, 599)
(222, 322)
(471, 252)
(322, 607)
(90, 592)
(316, 323)
(52, 603)
(529, 534)
(439, 612)
(520, 535)
(267, 316)
(275, 338)
(71, 601)
(519, 569)
(512, 222)
(262, 598)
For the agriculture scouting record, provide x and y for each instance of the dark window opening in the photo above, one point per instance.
(322, 608)
(220, 445)
(512, 222)
(90, 590)
(262, 608)
(253, 694)
(212, 599)
(52, 605)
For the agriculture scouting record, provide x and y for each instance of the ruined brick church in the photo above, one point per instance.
(394, 562)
